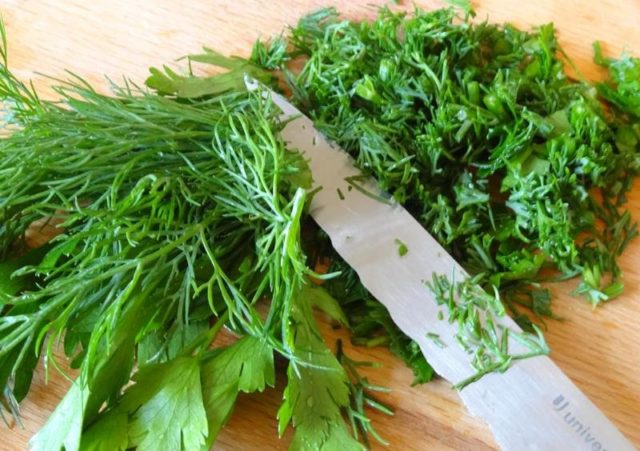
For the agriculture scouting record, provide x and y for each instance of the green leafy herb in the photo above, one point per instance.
(477, 315)
(464, 5)
(189, 86)
(317, 391)
(178, 212)
(180, 403)
(168, 406)
(436, 339)
(361, 397)
(623, 88)
(402, 248)
(370, 322)
(478, 132)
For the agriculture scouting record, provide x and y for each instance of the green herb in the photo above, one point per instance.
(355, 181)
(623, 88)
(317, 391)
(478, 132)
(464, 5)
(477, 315)
(402, 248)
(167, 81)
(178, 212)
(361, 397)
(436, 339)
(518, 171)
(370, 322)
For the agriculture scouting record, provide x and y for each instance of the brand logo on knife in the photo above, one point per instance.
(563, 408)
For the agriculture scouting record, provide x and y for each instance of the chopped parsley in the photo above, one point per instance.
(402, 248)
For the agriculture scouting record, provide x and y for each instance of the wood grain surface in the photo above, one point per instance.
(599, 350)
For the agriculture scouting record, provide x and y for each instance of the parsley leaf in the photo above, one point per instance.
(245, 366)
(169, 411)
(109, 434)
(64, 427)
(317, 391)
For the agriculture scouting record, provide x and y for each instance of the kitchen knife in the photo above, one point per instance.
(531, 406)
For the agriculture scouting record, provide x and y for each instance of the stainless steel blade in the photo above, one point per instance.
(533, 405)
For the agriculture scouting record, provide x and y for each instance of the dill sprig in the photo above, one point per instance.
(362, 396)
(477, 315)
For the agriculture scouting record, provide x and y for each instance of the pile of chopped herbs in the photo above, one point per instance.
(180, 213)
(517, 170)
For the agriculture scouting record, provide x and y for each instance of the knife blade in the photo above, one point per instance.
(531, 406)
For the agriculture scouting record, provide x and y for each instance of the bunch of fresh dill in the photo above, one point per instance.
(178, 212)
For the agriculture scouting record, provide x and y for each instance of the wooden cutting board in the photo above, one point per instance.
(599, 350)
